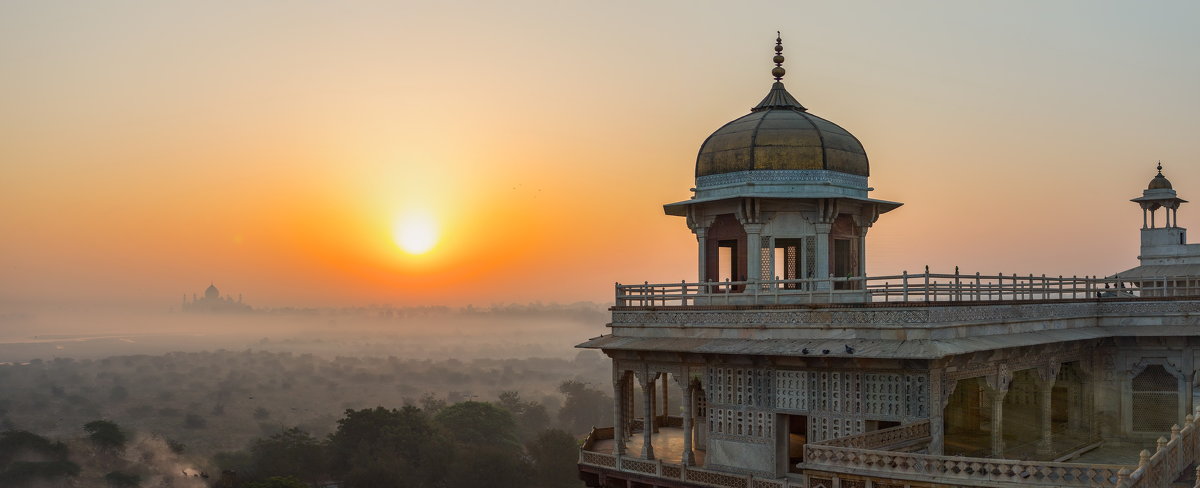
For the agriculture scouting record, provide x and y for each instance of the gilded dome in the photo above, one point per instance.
(1159, 182)
(779, 134)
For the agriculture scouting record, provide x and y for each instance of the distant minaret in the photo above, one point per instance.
(1167, 244)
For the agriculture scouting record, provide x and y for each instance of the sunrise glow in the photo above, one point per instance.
(416, 233)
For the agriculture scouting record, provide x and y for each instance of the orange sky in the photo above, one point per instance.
(151, 148)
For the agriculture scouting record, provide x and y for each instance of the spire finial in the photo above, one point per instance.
(1160, 167)
(778, 71)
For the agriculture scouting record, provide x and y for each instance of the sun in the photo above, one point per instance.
(416, 232)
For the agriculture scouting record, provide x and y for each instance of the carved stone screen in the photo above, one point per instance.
(1155, 400)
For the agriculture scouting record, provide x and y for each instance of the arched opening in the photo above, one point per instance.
(1155, 400)
(725, 252)
(1022, 411)
(967, 418)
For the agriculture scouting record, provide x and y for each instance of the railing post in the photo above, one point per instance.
(957, 286)
(978, 290)
(904, 275)
(927, 282)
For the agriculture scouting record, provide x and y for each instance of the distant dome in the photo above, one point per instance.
(779, 134)
(211, 292)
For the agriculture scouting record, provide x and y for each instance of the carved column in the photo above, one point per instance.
(689, 456)
(939, 395)
(618, 411)
(648, 411)
(702, 239)
(998, 388)
(653, 418)
(753, 251)
(1046, 398)
(998, 422)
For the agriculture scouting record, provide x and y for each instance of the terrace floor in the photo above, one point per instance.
(668, 446)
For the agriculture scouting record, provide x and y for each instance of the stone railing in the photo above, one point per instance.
(943, 469)
(1159, 470)
(678, 472)
(922, 287)
(596, 434)
(884, 439)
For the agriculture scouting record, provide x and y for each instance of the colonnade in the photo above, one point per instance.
(654, 412)
(1019, 403)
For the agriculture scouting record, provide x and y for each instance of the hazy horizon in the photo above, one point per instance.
(272, 148)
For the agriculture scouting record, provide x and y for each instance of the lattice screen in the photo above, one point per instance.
(810, 257)
(1155, 400)
(767, 254)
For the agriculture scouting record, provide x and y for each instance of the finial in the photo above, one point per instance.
(778, 71)
(1160, 167)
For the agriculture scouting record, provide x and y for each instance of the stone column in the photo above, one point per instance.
(937, 401)
(862, 251)
(753, 251)
(998, 395)
(689, 456)
(702, 239)
(653, 425)
(619, 413)
(630, 413)
(648, 410)
(1046, 398)
(821, 266)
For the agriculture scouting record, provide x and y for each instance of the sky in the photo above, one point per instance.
(275, 148)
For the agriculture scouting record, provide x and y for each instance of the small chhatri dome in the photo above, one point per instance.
(1159, 182)
(211, 291)
(780, 134)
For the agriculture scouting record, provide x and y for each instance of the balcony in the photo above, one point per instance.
(903, 288)
(893, 455)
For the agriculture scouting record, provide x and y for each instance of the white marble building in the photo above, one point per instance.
(795, 368)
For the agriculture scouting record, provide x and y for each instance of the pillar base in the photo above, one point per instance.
(648, 452)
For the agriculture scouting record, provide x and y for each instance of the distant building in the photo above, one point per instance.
(798, 370)
(213, 302)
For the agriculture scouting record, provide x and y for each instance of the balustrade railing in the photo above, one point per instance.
(1161, 469)
(888, 464)
(923, 287)
(691, 474)
(867, 454)
(883, 439)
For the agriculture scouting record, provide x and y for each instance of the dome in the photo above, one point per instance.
(1159, 182)
(211, 292)
(779, 134)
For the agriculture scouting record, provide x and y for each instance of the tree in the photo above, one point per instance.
(485, 445)
(531, 417)
(278, 482)
(381, 447)
(292, 452)
(584, 408)
(554, 454)
(105, 435)
(478, 423)
(194, 421)
(118, 479)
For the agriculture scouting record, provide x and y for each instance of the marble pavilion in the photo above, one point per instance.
(794, 368)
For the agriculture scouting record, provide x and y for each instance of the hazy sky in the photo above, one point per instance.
(150, 148)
